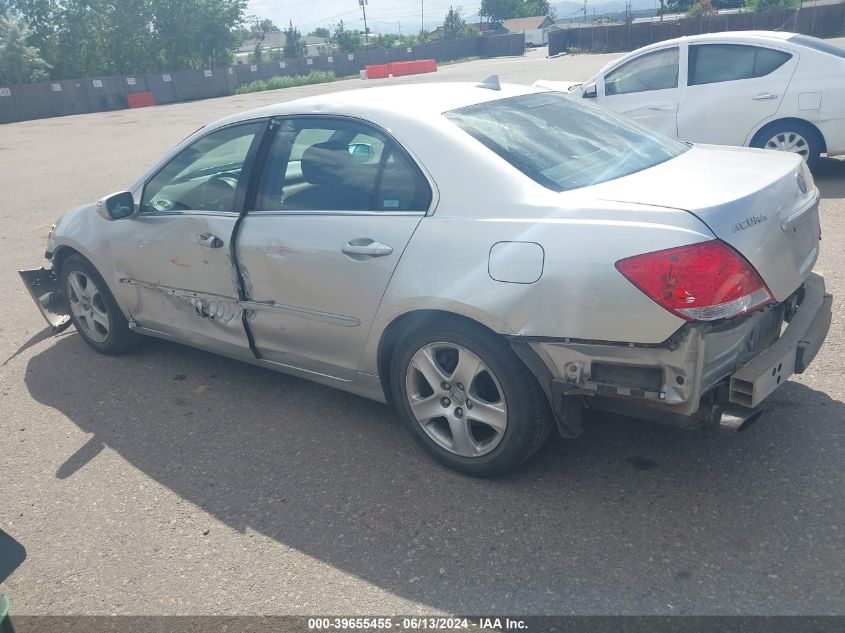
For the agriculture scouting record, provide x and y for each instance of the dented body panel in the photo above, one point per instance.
(318, 302)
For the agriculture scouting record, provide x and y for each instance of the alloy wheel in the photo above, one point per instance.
(789, 142)
(456, 399)
(88, 306)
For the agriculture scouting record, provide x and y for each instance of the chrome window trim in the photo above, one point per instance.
(188, 212)
(338, 212)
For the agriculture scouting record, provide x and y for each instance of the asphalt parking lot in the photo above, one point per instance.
(171, 481)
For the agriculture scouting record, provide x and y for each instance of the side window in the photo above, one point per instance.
(335, 165)
(713, 63)
(652, 71)
(205, 175)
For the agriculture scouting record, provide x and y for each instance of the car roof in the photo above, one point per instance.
(743, 36)
(411, 101)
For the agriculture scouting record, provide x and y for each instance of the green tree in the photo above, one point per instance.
(265, 26)
(104, 37)
(454, 24)
(294, 46)
(678, 6)
(770, 5)
(385, 40)
(531, 8)
(321, 31)
(501, 10)
(19, 62)
(257, 53)
(346, 40)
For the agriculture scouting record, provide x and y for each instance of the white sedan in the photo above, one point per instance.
(764, 89)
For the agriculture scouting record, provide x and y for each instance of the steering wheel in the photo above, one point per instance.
(218, 192)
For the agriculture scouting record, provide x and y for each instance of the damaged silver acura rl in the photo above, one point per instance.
(490, 259)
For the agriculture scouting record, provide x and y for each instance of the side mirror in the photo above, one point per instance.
(590, 92)
(117, 206)
(362, 152)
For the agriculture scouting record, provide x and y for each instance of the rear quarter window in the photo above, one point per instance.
(714, 63)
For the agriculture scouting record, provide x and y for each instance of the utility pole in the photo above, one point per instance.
(363, 4)
(585, 11)
(422, 16)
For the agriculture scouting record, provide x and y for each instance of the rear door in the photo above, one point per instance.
(646, 88)
(731, 89)
(335, 207)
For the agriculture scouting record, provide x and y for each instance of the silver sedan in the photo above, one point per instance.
(493, 260)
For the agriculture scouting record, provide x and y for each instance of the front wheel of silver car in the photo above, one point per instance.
(93, 309)
(468, 399)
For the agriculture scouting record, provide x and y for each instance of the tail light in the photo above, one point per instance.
(704, 281)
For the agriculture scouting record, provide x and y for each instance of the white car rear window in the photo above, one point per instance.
(563, 143)
(713, 63)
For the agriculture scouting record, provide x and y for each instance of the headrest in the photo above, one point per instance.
(328, 163)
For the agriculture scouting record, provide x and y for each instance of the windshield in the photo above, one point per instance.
(562, 142)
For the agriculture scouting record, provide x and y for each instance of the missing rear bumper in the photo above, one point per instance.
(696, 375)
(791, 353)
(43, 285)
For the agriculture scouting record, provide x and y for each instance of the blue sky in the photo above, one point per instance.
(382, 15)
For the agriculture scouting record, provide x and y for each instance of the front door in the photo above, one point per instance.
(172, 260)
(337, 203)
(646, 89)
(732, 88)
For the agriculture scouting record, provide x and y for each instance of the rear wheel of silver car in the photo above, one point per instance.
(791, 136)
(93, 309)
(468, 399)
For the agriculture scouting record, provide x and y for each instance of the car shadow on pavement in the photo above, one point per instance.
(12, 555)
(621, 520)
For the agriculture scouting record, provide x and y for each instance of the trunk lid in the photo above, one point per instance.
(763, 203)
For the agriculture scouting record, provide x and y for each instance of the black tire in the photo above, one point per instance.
(814, 140)
(529, 419)
(119, 337)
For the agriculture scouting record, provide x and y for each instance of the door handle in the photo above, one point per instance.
(764, 96)
(209, 241)
(363, 248)
(662, 106)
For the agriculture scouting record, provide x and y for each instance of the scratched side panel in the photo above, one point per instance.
(177, 286)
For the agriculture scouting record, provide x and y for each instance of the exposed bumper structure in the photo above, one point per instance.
(44, 288)
(791, 353)
(689, 379)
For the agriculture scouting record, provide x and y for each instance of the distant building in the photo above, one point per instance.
(276, 42)
(486, 28)
(521, 25)
(536, 28)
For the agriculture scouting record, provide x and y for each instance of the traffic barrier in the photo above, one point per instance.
(140, 99)
(416, 67)
(378, 71)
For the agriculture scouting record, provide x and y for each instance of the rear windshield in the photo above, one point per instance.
(817, 44)
(562, 142)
